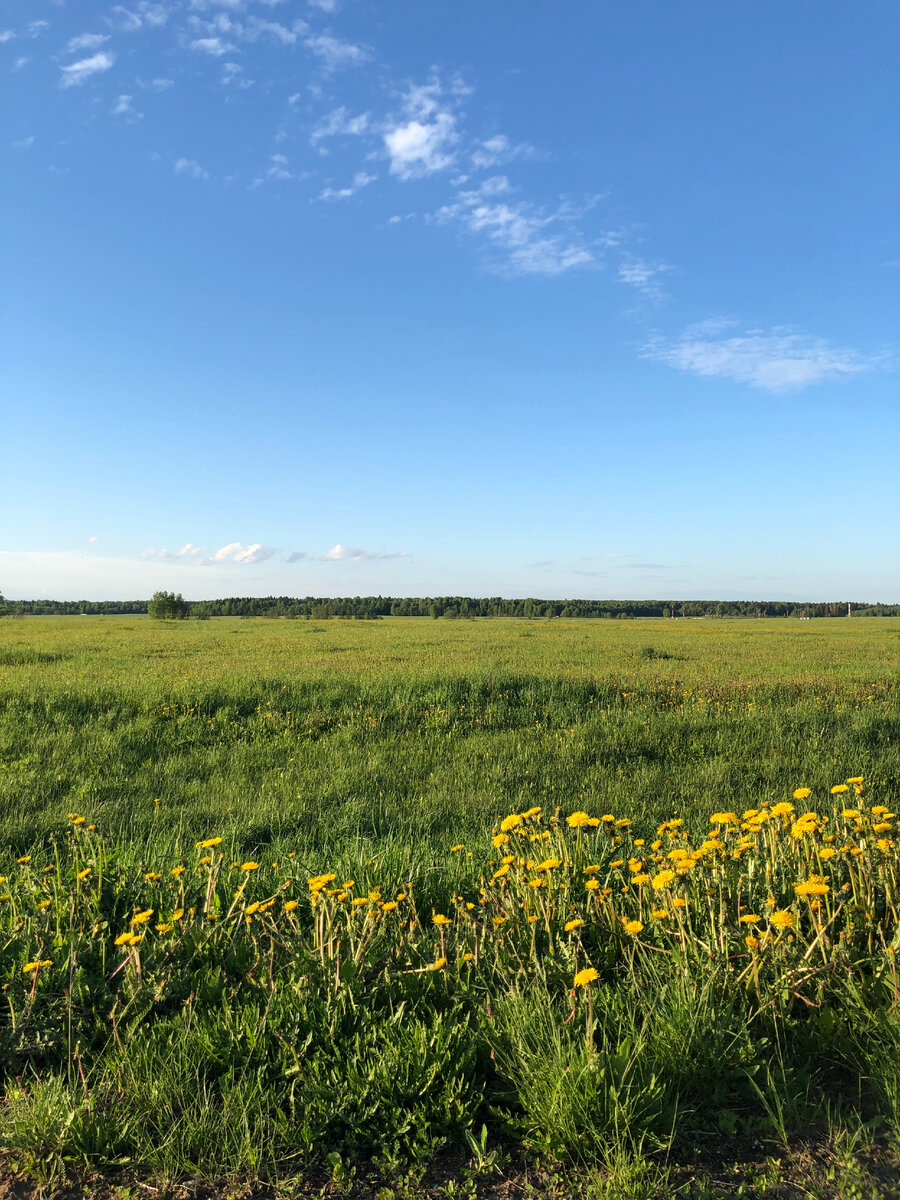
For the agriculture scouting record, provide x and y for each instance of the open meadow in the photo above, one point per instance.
(414, 907)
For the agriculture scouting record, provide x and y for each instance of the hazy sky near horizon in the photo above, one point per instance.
(498, 298)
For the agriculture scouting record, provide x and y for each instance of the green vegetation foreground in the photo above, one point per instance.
(241, 1008)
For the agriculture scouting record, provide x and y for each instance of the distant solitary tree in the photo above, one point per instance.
(166, 606)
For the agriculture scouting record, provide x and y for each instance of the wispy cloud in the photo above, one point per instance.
(533, 241)
(360, 180)
(496, 150)
(334, 54)
(125, 109)
(212, 45)
(644, 277)
(24, 143)
(339, 123)
(86, 41)
(78, 72)
(775, 360)
(145, 15)
(341, 553)
(187, 166)
(6, 35)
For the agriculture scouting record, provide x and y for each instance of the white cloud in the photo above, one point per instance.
(93, 540)
(86, 41)
(775, 360)
(339, 122)
(533, 242)
(188, 553)
(644, 277)
(335, 54)
(187, 166)
(22, 61)
(161, 85)
(424, 142)
(36, 28)
(341, 553)
(211, 45)
(278, 169)
(416, 149)
(6, 35)
(24, 143)
(236, 552)
(328, 6)
(257, 27)
(77, 73)
(498, 149)
(145, 16)
(124, 108)
(360, 180)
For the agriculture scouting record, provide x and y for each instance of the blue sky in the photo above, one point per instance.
(504, 298)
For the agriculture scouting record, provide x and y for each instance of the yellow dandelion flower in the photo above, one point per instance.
(141, 918)
(83, 874)
(289, 905)
(36, 966)
(123, 939)
(439, 964)
(640, 880)
(814, 886)
(359, 901)
(252, 866)
(658, 914)
(26, 858)
(499, 920)
(618, 862)
(152, 877)
(456, 848)
(583, 978)
(839, 788)
(784, 809)
(208, 843)
(663, 880)
(389, 906)
(164, 927)
(498, 840)
(577, 820)
(881, 827)
(177, 914)
(575, 923)
(548, 864)
(633, 927)
(176, 871)
(510, 822)
(723, 818)
(782, 919)
(440, 919)
(501, 871)
(750, 919)
(44, 904)
(751, 942)
(679, 902)
(592, 885)
(879, 810)
(467, 957)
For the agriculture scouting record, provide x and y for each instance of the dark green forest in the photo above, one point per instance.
(370, 608)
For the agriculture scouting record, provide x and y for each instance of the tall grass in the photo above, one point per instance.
(599, 990)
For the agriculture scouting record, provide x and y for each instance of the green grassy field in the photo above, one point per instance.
(307, 1040)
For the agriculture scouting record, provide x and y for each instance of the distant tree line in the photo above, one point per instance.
(168, 605)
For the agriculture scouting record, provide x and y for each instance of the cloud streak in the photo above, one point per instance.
(79, 72)
(776, 360)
